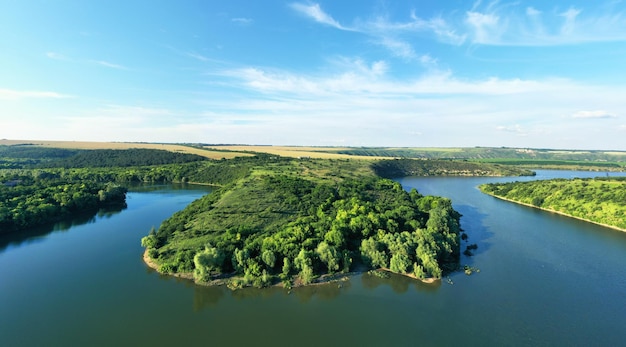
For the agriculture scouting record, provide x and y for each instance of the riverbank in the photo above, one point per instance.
(324, 279)
(558, 212)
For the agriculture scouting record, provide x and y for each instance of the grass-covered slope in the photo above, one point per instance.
(296, 220)
(599, 200)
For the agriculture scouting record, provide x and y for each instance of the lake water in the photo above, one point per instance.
(544, 280)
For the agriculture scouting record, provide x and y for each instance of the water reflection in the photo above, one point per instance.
(160, 188)
(327, 291)
(36, 234)
(207, 297)
(398, 283)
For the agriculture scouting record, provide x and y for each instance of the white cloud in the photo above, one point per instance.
(364, 79)
(315, 12)
(9, 94)
(570, 21)
(361, 101)
(511, 25)
(55, 56)
(394, 36)
(598, 114)
(485, 27)
(494, 23)
(532, 12)
(398, 48)
(242, 21)
(515, 129)
(110, 65)
(197, 56)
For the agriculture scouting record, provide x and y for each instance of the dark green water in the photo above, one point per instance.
(545, 280)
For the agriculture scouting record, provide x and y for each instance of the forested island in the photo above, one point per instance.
(600, 200)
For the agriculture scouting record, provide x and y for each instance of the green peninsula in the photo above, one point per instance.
(296, 221)
(299, 221)
(600, 200)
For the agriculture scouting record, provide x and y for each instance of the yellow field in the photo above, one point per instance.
(298, 152)
(212, 152)
(126, 145)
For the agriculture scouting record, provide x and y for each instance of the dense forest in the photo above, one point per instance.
(599, 200)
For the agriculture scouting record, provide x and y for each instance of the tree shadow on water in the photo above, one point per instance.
(207, 296)
(325, 291)
(398, 283)
(35, 234)
(472, 223)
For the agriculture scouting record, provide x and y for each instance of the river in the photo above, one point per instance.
(544, 280)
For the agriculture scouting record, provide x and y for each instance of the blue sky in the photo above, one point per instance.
(330, 73)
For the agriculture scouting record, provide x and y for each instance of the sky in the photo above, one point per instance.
(421, 73)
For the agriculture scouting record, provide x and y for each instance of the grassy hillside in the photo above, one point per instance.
(599, 200)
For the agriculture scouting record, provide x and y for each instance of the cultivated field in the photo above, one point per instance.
(205, 152)
(299, 152)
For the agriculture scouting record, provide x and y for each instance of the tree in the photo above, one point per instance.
(269, 258)
(207, 261)
(150, 241)
(286, 267)
(328, 255)
(240, 256)
(304, 263)
(372, 253)
(418, 271)
(399, 262)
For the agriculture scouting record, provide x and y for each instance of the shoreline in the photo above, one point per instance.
(323, 279)
(557, 212)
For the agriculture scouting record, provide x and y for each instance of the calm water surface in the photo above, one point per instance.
(545, 280)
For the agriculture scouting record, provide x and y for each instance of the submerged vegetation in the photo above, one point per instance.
(600, 200)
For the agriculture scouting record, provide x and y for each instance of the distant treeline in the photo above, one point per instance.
(600, 200)
(19, 157)
(554, 163)
(123, 158)
(501, 155)
(412, 167)
(26, 156)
